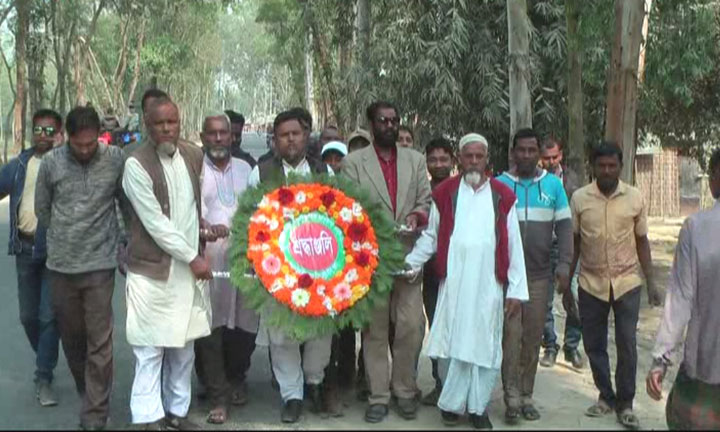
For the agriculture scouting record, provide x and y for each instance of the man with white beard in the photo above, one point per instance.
(166, 309)
(474, 231)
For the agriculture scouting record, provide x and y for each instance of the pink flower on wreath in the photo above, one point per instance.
(342, 292)
(271, 265)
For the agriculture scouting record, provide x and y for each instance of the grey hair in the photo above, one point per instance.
(216, 114)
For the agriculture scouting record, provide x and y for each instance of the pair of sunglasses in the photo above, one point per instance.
(48, 130)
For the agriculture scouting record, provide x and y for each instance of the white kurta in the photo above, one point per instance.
(166, 313)
(468, 319)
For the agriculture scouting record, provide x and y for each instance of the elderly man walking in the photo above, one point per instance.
(291, 368)
(397, 178)
(692, 303)
(224, 356)
(167, 309)
(77, 189)
(474, 232)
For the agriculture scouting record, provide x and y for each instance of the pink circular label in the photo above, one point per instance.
(313, 246)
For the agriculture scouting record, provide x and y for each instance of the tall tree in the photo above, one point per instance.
(622, 96)
(362, 43)
(576, 132)
(519, 31)
(23, 22)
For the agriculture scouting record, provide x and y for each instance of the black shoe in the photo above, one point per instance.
(481, 421)
(512, 416)
(291, 411)
(575, 358)
(449, 418)
(407, 408)
(548, 359)
(314, 395)
(375, 413)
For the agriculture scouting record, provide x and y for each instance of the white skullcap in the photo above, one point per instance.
(472, 138)
(335, 145)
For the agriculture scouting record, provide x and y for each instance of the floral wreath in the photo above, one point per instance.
(323, 253)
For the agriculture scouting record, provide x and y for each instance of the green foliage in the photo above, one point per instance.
(300, 327)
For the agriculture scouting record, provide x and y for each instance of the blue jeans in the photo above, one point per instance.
(573, 330)
(36, 311)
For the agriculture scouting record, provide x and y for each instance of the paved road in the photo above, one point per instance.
(562, 393)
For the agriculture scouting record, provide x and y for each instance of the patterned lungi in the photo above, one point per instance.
(693, 404)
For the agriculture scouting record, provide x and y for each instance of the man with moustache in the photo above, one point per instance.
(76, 195)
(167, 308)
(291, 368)
(237, 121)
(397, 178)
(543, 210)
(223, 358)
(440, 159)
(610, 227)
(18, 178)
(475, 235)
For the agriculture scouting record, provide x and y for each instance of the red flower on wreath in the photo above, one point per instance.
(327, 198)
(262, 236)
(362, 259)
(285, 196)
(305, 281)
(357, 231)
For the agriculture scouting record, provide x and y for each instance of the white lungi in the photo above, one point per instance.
(465, 385)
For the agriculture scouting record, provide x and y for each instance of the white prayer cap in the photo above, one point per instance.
(472, 138)
(335, 145)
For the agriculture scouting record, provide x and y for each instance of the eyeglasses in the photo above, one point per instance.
(49, 130)
(394, 121)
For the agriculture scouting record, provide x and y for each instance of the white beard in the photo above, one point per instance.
(168, 148)
(219, 153)
(473, 178)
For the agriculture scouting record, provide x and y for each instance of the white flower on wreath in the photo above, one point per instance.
(357, 209)
(300, 197)
(351, 276)
(300, 297)
(329, 306)
(288, 213)
(346, 214)
(273, 224)
(356, 246)
(321, 290)
(290, 281)
(264, 202)
(265, 247)
(259, 219)
(277, 286)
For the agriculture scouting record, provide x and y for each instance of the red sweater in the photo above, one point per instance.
(445, 198)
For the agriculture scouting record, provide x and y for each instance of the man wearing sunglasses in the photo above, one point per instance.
(397, 178)
(27, 243)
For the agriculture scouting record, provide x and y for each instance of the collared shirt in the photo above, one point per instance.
(389, 170)
(607, 227)
(692, 299)
(303, 168)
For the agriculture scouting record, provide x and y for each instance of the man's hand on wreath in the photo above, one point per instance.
(200, 268)
(220, 231)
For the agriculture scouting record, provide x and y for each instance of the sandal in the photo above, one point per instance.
(217, 415)
(628, 419)
(529, 412)
(512, 416)
(599, 409)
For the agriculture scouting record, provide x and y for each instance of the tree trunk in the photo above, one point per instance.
(136, 71)
(309, 87)
(23, 21)
(362, 32)
(81, 48)
(330, 107)
(576, 132)
(519, 67)
(621, 108)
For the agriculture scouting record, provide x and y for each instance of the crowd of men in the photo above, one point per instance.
(484, 257)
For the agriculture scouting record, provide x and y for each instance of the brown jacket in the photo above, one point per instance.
(145, 257)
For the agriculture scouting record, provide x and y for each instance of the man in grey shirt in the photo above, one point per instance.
(76, 193)
(692, 303)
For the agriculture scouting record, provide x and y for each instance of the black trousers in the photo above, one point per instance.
(431, 286)
(594, 318)
(222, 361)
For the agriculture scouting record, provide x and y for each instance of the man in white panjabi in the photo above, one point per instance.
(167, 308)
(474, 230)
